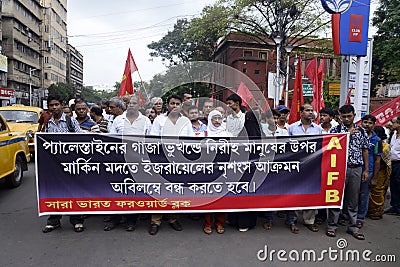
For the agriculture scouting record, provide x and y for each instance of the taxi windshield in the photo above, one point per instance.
(22, 116)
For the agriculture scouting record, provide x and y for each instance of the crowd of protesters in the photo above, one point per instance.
(373, 162)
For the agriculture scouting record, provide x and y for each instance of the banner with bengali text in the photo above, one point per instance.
(115, 174)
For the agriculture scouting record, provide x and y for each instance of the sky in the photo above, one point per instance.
(103, 31)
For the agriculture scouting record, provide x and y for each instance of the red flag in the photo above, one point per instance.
(317, 77)
(142, 101)
(244, 93)
(297, 99)
(348, 98)
(197, 103)
(126, 86)
(386, 113)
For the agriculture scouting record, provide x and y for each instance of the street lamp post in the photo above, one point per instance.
(30, 85)
(278, 39)
(288, 49)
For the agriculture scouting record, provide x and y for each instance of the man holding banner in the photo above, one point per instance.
(305, 126)
(59, 123)
(357, 156)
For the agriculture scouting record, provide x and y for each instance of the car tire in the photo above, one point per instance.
(14, 179)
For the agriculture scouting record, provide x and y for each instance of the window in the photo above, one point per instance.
(247, 53)
(262, 55)
(244, 70)
(257, 72)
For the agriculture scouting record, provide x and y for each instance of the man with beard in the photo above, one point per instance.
(235, 120)
(198, 127)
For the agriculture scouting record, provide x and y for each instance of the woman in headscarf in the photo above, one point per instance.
(252, 130)
(378, 191)
(215, 128)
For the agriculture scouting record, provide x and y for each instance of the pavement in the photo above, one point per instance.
(24, 244)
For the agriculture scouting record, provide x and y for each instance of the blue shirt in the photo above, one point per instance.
(375, 149)
(297, 128)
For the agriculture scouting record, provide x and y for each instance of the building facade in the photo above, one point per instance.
(21, 44)
(34, 42)
(75, 69)
(259, 62)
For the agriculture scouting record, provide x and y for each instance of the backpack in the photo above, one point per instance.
(70, 127)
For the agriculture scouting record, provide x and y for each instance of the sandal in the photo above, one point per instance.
(267, 225)
(207, 230)
(48, 228)
(109, 227)
(356, 235)
(312, 227)
(78, 227)
(331, 233)
(220, 229)
(293, 228)
(359, 224)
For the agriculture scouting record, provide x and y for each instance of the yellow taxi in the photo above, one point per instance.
(21, 118)
(14, 153)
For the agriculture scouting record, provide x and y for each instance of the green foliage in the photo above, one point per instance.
(292, 20)
(386, 47)
(66, 91)
(193, 40)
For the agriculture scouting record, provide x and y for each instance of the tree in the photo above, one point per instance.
(386, 47)
(292, 20)
(65, 91)
(193, 40)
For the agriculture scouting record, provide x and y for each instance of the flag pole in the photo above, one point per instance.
(144, 87)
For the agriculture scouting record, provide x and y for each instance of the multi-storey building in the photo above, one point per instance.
(21, 43)
(75, 69)
(54, 41)
(34, 39)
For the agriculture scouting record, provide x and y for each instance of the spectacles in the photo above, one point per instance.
(216, 118)
(158, 104)
(132, 103)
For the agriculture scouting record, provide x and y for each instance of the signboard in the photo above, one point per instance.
(308, 90)
(365, 77)
(5, 92)
(104, 173)
(334, 89)
(350, 28)
(393, 90)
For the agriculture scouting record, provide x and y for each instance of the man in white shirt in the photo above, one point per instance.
(172, 123)
(131, 121)
(272, 128)
(326, 116)
(235, 120)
